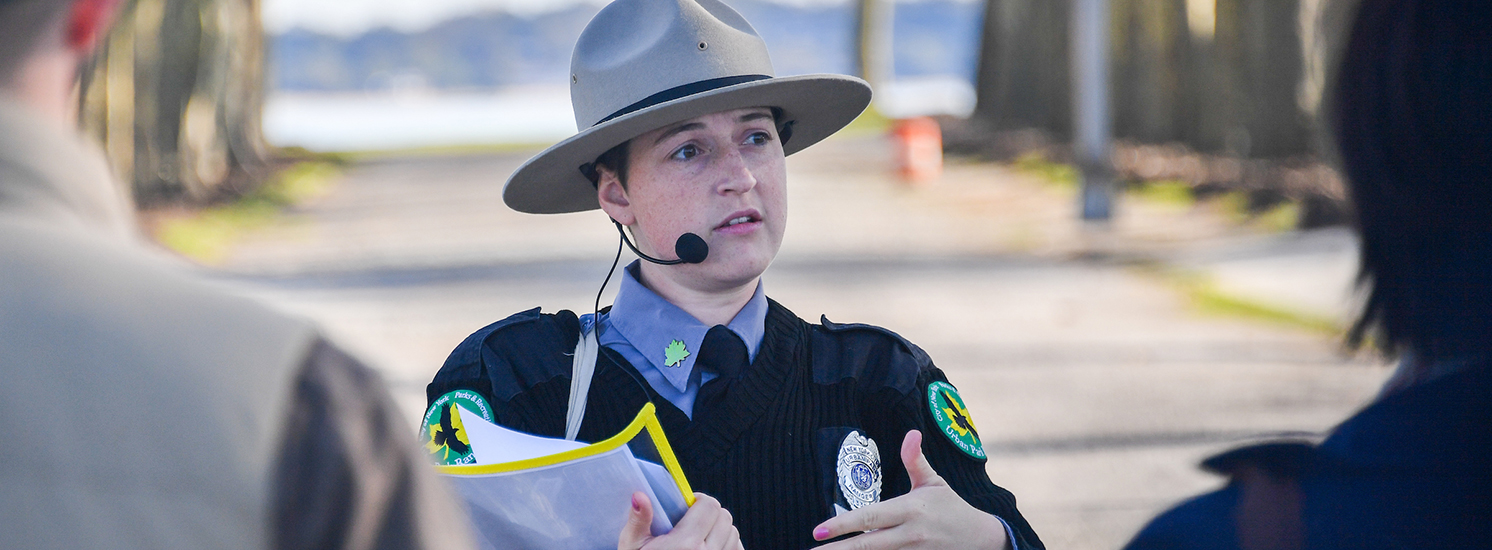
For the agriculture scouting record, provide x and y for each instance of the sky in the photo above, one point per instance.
(351, 17)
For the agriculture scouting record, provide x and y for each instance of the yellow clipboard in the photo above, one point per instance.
(647, 419)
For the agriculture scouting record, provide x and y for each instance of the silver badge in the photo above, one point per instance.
(859, 469)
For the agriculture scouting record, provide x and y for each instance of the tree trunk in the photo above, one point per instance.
(1151, 47)
(1024, 79)
(175, 97)
(873, 59)
(1258, 48)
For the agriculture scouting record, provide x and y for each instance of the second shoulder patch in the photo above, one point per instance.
(953, 419)
(444, 436)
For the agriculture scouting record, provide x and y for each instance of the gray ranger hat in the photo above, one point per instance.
(644, 64)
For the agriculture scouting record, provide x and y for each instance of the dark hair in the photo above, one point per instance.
(614, 159)
(23, 23)
(1413, 120)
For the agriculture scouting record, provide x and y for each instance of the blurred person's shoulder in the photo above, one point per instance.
(1409, 470)
(124, 283)
(77, 266)
(68, 234)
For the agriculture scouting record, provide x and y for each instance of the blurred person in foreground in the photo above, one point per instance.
(142, 408)
(1413, 121)
(798, 429)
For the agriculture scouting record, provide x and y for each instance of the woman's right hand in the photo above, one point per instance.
(705, 526)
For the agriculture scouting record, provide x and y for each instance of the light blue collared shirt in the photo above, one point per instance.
(642, 325)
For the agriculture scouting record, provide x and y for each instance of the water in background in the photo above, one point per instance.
(372, 121)
(358, 121)
(500, 78)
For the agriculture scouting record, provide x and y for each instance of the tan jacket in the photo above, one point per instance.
(139, 406)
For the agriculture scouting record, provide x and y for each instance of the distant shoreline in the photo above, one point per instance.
(422, 118)
(356, 121)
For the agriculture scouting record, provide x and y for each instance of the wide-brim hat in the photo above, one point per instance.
(644, 64)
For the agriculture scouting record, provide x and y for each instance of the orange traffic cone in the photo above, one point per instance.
(918, 143)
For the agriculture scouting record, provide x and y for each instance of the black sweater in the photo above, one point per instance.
(768, 449)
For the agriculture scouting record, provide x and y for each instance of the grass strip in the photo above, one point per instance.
(207, 235)
(1205, 296)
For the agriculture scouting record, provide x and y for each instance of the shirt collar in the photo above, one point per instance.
(652, 324)
(51, 173)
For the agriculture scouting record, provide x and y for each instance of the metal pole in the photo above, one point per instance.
(1090, 85)
(877, 19)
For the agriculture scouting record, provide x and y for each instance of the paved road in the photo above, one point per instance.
(1097, 387)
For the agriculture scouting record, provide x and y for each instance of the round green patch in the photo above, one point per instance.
(444, 436)
(953, 418)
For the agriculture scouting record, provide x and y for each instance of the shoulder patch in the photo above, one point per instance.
(442, 433)
(952, 416)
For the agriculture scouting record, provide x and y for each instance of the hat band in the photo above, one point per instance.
(683, 91)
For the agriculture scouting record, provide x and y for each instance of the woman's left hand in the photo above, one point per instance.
(930, 516)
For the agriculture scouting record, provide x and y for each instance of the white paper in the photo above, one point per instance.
(577, 504)
(493, 444)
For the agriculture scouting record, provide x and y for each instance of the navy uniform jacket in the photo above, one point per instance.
(1413, 470)
(767, 450)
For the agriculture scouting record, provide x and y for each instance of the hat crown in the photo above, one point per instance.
(634, 49)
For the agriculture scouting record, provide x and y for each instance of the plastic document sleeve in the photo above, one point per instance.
(575, 498)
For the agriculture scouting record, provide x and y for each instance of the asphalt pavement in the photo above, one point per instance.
(1097, 385)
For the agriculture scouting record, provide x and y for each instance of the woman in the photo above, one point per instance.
(792, 427)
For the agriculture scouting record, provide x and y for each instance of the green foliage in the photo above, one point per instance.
(1234, 205)
(1171, 192)
(1283, 217)
(1205, 296)
(206, 235)
(1062, 175)
(870, 122)
(1279, 218)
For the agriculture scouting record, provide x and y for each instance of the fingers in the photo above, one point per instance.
(705, 525)
(700, 518)
(638, 528)
(876, 540)
(918, 470)
(723, 534)
(876, 516)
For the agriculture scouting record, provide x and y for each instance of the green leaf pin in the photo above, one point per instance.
(674, 353)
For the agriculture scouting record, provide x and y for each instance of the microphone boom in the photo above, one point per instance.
(690, 248)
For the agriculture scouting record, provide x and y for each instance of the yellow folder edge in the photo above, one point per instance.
(647, 418)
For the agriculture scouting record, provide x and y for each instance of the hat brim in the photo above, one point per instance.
(819, 105)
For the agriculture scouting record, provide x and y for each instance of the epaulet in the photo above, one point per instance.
(513, 354)
(1280, 459)
(867, 353)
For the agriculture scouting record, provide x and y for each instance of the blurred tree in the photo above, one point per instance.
(1218, 75)
(1023, 79)
(1151, 48)
(175, 95)
(1258, 50)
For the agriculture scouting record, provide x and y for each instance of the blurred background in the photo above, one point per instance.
(1115, 224)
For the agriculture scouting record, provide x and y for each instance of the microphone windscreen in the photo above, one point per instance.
(691, 248)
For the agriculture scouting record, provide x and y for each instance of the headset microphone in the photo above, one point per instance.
(690, 248)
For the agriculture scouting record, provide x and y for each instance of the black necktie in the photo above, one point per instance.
(723, 353)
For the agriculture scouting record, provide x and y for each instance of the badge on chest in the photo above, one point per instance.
(858, 472)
